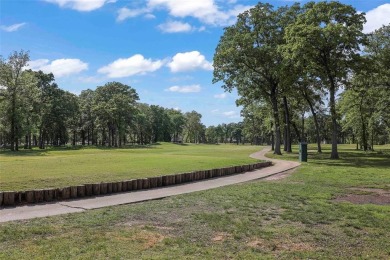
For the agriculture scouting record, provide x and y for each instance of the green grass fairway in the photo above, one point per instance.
(293, 218)
(54, 168)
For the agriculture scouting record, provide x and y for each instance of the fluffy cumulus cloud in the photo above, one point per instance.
(206, 11)
(185, 89)
(12, 28)
(81, 5)
(175, 27)
(134, 65)
(60, 68)
(377, 17)
(188, 61)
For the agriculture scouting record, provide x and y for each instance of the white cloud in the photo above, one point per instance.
(206, 11)
(188, 61)
(81, 5)
(134, 65)
(185, 89)
(125, 13)
(59, 67)
(175, 27)
(12, 28)
(377, 17)
(220, 96)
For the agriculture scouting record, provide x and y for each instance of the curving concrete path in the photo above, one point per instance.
(71, 206)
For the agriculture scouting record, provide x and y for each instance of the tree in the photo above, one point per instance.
(113, 105)
(178, 123)
(247, 57)
(13, 79)
(325, 41)
(194, 127)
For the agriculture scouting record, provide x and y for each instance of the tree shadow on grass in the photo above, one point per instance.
(354, 159)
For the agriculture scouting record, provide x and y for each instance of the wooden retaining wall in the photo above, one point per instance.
(16, 198)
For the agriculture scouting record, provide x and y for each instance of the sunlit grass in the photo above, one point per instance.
(65, 166)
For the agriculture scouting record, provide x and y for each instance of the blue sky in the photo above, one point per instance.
(162, 48)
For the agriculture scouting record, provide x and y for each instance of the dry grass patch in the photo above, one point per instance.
(369, 196)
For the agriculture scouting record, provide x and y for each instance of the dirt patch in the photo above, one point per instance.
(220, 237)
(144, 224)
(149, 239)
(279, 176)
(372, 190)
(273, 245)
(374, 196)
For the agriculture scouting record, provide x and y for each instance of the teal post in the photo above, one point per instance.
(303, 152)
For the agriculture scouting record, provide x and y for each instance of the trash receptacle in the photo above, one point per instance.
(303, 152)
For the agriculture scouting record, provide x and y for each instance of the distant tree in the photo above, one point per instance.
(194, 128)
(114, 104)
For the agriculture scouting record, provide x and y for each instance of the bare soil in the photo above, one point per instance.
(370, 196)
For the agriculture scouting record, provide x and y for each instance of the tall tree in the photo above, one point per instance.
(11, 78)
(325, 40)
(247, 57)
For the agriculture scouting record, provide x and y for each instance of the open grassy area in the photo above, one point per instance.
(293, 218)
(61, 167)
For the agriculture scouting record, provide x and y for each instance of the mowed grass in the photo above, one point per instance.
(61, 167)
(292, 218)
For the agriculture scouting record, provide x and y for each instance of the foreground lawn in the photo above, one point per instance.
(293, 218)
(54, 168)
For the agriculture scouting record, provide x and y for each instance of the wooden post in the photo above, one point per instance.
(38, 195)
(1, 198)
(134, 184)
(145, 183)
(109, 187)
(119, 183)
(88, 189)
(65, 193)
(73, 192)
(48, 194)
(159, 181)
(96, 188)
(165, 180)
(81, 191)
(103, 188)
(114, 187)
(153, 182)
(9, 198)
(140, 184)
(177, 178)
(30, 196)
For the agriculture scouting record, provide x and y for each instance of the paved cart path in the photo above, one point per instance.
(71, 206)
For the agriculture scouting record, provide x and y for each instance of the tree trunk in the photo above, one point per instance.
(313, 112)
(296, 131)
(274, 101)
(287, 126)
(332, 104)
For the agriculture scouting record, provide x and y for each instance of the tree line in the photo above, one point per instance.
(290, 62)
